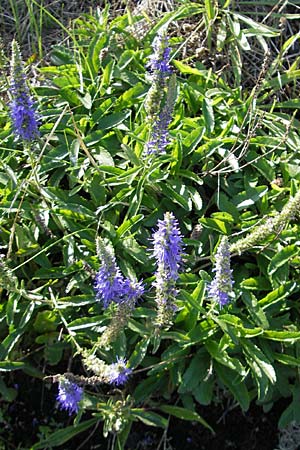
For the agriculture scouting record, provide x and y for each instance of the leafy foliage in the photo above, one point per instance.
(231, 169)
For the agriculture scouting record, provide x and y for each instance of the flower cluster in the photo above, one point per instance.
(69, 395)
(22, 109)
(168, 254)
(221, 286)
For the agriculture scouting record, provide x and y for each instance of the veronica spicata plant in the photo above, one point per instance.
(22, 108)
(168, 255)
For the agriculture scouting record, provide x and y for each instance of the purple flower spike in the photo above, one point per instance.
(160, 134)
(22, 108)
(159, 60)
(168, 254)
(221, 286)
(110, 285)
(69, 395)
(168, 245)
(109, 280)
(118, 373)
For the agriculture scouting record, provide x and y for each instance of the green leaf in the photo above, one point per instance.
(255, 354)
(112, 120)
(46, 321)
(237, 388)
(204, 392)
(185, 414)
(282, 257)
(222, 357)
(62, 436)
(288, 360)
(139, 353)
(196, 371)
(256, 312)
(278, 294)
(208, 114)
(149, 418)
(282, 336)
(127, 225)
(216, 225)
(249, 197)
(6, 366)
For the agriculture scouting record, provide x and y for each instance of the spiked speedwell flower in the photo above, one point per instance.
(131, 292)
(109, 280)
(22, 108)
(69, 395)
(167, 252)
(159, 60)
(118, 373)
(110, 285)
(221, 286)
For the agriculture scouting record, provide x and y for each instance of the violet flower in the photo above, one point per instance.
(69, 395)
(220, 288)
(22, 108)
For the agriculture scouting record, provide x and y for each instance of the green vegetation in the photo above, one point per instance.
(231, 168)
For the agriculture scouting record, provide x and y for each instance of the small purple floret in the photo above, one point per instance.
(69, 395)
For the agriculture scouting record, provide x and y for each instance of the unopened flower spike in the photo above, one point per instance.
(168, 254)
(22, 108)
(69, 395)
(159, 134)
(220, 289)
(160, 70)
